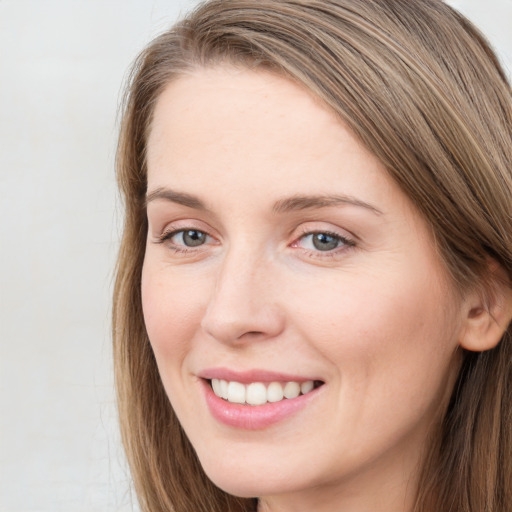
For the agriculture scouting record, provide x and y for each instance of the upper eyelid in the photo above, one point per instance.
(309, 227)
(169, 233)
(184, 225)
(312, 227)
(347, 240)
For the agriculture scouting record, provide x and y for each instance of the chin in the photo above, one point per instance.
(246, 480)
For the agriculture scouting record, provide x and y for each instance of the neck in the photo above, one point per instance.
(386, 485)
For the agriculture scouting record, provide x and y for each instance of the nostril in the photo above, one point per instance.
(251, 334)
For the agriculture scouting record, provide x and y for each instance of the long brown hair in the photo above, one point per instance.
(420, 87)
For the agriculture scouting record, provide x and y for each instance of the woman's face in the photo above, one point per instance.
(281, 257)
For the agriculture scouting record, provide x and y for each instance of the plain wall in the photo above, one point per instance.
(62, 63)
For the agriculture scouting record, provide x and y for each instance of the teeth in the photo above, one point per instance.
(216, 386)
(275, 392)
(258, 393)
(307, 386)
(224, 389)
(236, 393)
(292, 390)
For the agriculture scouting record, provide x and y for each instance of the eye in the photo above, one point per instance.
(184, 239)
(323, 241)
(189, 237)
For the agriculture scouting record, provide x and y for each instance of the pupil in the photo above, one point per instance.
(324, 242)
(193, 238)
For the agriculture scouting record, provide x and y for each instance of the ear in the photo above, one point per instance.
(488, 311)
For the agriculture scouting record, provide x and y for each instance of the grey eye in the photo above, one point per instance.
(324, 241)
(192, 237)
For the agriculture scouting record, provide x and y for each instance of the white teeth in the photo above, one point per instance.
(292, 390)
(258, 393)
(223, 389)
(275, 392)
(236, 393)
(216, 385)
(307, 386)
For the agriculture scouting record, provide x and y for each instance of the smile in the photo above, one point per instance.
(258, 393)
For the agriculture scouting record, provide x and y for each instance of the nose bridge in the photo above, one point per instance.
(242, 304)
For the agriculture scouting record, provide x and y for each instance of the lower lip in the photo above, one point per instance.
(254, 417)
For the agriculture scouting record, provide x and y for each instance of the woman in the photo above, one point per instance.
(313, 296)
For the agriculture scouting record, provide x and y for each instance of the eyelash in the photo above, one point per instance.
(345, 242)
(166, 236)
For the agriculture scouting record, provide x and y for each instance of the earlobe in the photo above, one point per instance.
(489, 314)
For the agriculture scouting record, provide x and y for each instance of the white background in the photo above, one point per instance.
(62, 64)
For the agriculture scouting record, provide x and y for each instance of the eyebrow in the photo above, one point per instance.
(294, 203)
(175, 197)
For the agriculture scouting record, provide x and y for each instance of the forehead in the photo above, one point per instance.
(241, 101)
(224, 121)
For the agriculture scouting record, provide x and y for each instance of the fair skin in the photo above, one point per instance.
(344, 287)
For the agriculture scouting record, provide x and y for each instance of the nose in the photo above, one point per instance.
(243, 305)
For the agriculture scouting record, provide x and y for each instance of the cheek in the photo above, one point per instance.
(390, 343)
(173, 307)
(387, 328)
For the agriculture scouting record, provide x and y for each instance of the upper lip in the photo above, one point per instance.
(254, 375)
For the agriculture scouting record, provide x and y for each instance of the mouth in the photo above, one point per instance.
(260, 393)
(257, 399)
